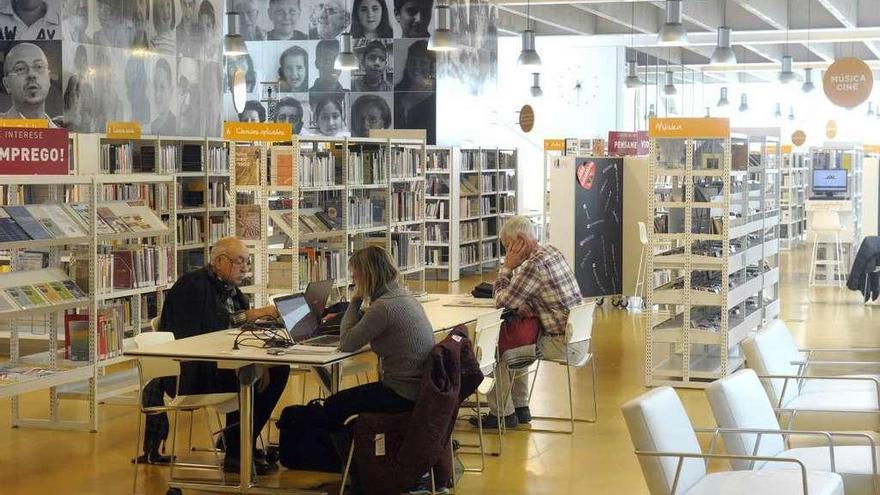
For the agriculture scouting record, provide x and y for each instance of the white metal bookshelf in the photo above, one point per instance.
(793, 197)
(442, 212)
(712, 264)
(50, 370)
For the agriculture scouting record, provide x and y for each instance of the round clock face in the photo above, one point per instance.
(577, 85)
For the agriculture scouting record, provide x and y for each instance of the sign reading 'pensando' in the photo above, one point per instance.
(26, 151)
(848, 82)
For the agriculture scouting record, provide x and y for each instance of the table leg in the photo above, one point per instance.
(330, 380)
(247, 376)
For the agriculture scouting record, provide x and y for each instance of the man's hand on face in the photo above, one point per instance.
(519, 251)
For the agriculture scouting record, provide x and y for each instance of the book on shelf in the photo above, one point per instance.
(436, 210)
(406, 249)
(219, 228)
(469, 186)
(438, 161)
(437, 186)
(117, 158)
(10, 231)
(317, 264)
(191, 158)
(406, 204)
(218, 160)
(191, 193)
(317, 169)
(283, 165)
(247, 165)
(218, 194)
(248, 222)
(126, 267)
(407, 162)
(366, 168)
(31, 226)
(190, 230)
(76, 337)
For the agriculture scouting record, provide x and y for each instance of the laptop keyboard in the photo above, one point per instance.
(323, 340)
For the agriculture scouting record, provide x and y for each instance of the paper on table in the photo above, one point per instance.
(317, 349)
(472, 302)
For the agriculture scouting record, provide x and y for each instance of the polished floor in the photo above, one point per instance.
(597, 459)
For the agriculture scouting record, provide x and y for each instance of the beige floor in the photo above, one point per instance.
(597, 459)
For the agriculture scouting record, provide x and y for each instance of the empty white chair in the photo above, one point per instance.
(673, 463)
(814, 402)
(825, 228)
(748, 425)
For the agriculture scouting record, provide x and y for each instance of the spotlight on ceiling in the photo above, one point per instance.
(673, 33)
(723, 54)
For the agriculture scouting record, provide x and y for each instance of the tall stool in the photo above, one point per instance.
(825, 227)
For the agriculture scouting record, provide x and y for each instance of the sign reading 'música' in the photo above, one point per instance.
(848, 82)
(798, 137)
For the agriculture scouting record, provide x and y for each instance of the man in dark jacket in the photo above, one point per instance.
(207, 300)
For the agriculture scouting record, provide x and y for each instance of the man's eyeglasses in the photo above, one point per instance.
(238, 261)
(22, 69)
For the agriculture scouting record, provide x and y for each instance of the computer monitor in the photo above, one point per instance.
(829, 182)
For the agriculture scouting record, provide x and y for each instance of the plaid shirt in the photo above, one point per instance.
(545, 284)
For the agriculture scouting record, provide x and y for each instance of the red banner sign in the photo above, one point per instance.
(627, 143)
(34, 151)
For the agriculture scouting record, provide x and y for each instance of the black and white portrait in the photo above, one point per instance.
(293, 68)
(75, 20)
(371, 19)
(163, 83)
(413, 17)
(327, 18)
(329, 77)
(254, 111)
(329, 114)
(189, 103)
(34, 20)
(292, 109)
(416, 66)
(31, 80)
(376, 71)
(370, 111)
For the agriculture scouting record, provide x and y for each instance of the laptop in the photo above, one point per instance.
(301, 314)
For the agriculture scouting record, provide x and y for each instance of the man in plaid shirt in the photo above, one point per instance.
(535, 281)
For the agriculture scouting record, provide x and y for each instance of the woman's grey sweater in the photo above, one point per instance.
(398, 331)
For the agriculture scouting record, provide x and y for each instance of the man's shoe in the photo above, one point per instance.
(524, 415)
(423, 487)
(490, 421)
(233, 465)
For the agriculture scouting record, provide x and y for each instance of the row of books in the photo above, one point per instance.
(158, 198)
(54, 221)
(437, 185)
(366, 168)
(110, 336)
(489, 183)
(489, 250)
(468, 255)
(406, 249)
(318, 221)
(30, 296)
(365, 212)
(282, 165)
(468, 207)
(488, 206)
(436, 256)
(320, 264)
(406, 163)
(469, 231)
(507, 159)
(218, 160)
(168, 163)
(508, 204)
(470, 185)
(438, 161)
(506, 182)
(190, 230)
(436, 210)
(489, 226)
(470, 160)
(317, 169)
(437, 233)
(218, 194)
(406, 205)
(129, 267)
(218, 228)
(119, 159)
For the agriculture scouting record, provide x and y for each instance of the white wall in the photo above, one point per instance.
(561, 112)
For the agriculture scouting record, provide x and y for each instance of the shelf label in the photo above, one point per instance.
(25, 123)
(117, 129)
(29, 151)
(709, 128)
(627, 143)
(257, 131)
(554, 145)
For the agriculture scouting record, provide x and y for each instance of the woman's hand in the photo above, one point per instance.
(358, 292)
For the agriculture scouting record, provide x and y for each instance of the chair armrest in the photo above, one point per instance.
(785, 433)
(873, 380)
(830, 363)
(851, 349)
(691, 455)
(350, 419)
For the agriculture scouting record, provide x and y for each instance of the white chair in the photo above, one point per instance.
(748, 425)
(579, 329)
(673, 462)
(640, 277)
(488, 328)
(154, 324)
(150, 368)
(826, 228)
(819, 402)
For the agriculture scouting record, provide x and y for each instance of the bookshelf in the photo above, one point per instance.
(441, 212)
(100, 258)
(713, 263)
(793, 187)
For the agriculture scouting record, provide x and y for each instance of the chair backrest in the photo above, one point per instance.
(825, 220)
(657, 422)
(154, 324)
(643, 234)
(580, 322)
(150, 367)
(770, 352)
(486, 345)
(739, 401)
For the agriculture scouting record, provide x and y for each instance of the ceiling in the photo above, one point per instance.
(813, 32)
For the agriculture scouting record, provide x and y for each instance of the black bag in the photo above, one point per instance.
(333, 315)
(304, 439)
(484, 291)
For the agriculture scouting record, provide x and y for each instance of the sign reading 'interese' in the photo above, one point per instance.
(25, 151)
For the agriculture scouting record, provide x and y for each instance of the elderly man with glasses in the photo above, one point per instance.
(208, 300)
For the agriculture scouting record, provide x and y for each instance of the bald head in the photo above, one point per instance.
(229, 259)
(228, 246)
(26, 79)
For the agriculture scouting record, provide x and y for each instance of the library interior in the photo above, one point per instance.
(411, 247)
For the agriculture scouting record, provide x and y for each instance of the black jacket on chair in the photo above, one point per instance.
(193, 306)
(861, 276)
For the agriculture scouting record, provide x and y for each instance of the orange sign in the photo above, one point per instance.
(831, 129)
(798, 137)
(872, 148)
(527, 118)
(848, 82)
(554, 145)
(688, 128)
(257, 131)
(26, 123)
(787, 148)
(123, 130)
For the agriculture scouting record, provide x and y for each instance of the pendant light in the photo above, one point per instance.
(708, 112)
(346, 59)
(536, 90)
(723, 54)
(808, 85)
(443, 39)
(786, 75)
(744, 102)
(632, 77)
(778, 112)
(791, 113)
(233, 43)
(672, 33)
(652, 111)
(722, 100)
(669, 89)
(528, 57)
(870, 109)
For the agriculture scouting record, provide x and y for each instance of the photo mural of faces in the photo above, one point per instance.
(293, 44)
(81, 63)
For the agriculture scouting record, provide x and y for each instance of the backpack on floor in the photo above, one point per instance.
(304, 439)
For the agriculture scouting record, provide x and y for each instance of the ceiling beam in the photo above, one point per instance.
(847, 13)
(573, 21)
(643, 19)
(751, 37)
(773, 12)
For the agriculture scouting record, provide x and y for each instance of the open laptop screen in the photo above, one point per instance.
(297, 316)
